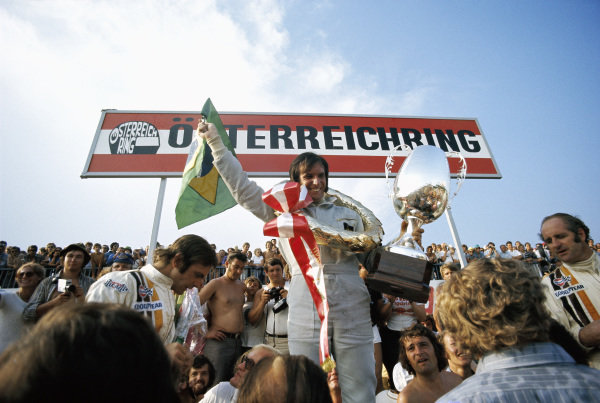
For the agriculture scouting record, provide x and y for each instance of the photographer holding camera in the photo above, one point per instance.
(69, 284)
(271, 303)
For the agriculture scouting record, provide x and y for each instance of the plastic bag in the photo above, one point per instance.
(192, 326)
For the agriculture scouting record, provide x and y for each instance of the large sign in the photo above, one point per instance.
(156, 144)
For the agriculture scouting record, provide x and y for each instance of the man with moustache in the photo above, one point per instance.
(573, 288)
(201, 376)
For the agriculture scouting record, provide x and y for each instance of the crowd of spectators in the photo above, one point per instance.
(391, 316)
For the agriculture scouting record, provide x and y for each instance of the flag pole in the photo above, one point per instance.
(157, 214)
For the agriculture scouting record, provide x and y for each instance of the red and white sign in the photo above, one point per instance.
(156, 144)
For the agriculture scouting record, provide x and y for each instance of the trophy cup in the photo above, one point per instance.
(420, 196)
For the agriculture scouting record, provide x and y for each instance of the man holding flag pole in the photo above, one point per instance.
(325, 286)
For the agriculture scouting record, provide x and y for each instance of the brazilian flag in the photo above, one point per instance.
(203, 192)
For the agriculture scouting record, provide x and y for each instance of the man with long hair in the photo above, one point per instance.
(422, 355)
(495, 309)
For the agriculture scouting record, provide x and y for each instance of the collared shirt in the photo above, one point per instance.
(223, 392)
(537, 372)
(43, 293)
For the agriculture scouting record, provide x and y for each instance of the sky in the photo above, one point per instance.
(527, 70)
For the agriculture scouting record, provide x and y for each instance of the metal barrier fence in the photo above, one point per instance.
(256, 271)
(7, 276)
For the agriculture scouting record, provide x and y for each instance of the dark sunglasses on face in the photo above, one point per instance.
(248, 362)
(25, 274)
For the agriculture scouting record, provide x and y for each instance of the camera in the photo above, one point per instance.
(65, 286)
(280, 303)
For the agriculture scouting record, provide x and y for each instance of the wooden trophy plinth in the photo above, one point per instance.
(399, 275)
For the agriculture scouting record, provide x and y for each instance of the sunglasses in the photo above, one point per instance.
(248, 362)
(25, 274)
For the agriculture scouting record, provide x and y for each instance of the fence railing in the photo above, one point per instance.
(7, 276)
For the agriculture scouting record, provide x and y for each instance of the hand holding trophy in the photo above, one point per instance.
(420, 196)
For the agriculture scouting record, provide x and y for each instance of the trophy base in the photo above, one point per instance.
(400, 275)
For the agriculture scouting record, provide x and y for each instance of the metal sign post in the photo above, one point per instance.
(157, 214)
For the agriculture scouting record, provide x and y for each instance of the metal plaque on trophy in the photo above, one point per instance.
(420, 196)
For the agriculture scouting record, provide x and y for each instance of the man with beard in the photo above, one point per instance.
(423, 356)
(201, 376)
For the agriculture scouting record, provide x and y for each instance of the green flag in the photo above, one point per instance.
(203, 192)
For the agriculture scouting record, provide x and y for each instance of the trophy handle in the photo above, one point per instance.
(460, 176)
(389, 163)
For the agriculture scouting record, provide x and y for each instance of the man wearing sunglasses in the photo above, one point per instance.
(227, 392)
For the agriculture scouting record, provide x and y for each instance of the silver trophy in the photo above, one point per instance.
(420, 196)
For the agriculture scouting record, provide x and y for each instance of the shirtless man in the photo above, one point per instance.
(225, 297)
(423, 356)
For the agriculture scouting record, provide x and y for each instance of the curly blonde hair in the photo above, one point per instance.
(492, 304)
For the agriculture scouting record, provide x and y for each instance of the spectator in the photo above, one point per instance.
(448, 270)
(422, 355)
(54, 261)
(271, 303)
(494, 308)
(88, 352)
(460, 360)
(3, 257)
(68, 285)
(285, 379)
(252, 334)
(380, 308)
(404, 314)
(269, 252)
(139, 260)
(431, 256)
(258, 260)
(32, 256)
(12, 303)
(15, 260)
(227, 392)
(114, 247)
(514, 253)
(201, 377)
(97, 259)
(225, 298)
(490, 251)
(504, 253)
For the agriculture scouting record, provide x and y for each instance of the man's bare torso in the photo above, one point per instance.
(225, 305)
(424, 392)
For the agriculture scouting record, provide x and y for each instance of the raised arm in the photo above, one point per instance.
(246, 192)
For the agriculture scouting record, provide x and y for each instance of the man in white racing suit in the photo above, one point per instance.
(349, 326)
(184, 264)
